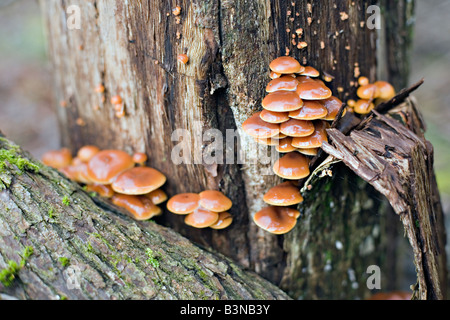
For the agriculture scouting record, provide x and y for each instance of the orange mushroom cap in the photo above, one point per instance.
(157, 196)
(386, 90)
(103, 190)
(183, 203)
(362, 81)
(285, 145)
(85, 153)
(297, 128)
(308, 152)
(311, 89)
(368, 91)
(140, 207)
(285, 65)
(363, 106)
(315, 140)
(292, 166)
(283, 83)
(214, 200)
(311, 110)
(274, 75)
(283, 194)
(225, 219)
(258, 128)
(138, 180)
(282, 101)
(139, 158)
(333, 105)
(310, 72)
(57, 158)
(183, 58)
(116, 99)
(201, 218)
(276, 220)
(106, 165)
(274, 117)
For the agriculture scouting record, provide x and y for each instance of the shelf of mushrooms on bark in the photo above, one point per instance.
(296, 112)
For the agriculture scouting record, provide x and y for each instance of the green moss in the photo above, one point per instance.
(8, 274)
(12, 157)
(66, 201)
(64, 261)
(151, 260)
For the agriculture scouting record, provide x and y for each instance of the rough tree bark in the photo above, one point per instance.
(131, 48)
(76, 241)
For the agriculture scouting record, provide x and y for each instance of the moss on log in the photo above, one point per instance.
(64, 244)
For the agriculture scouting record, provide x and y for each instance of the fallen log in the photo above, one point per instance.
(58, 242)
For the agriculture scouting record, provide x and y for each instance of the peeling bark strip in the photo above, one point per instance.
(81, 250)
(394, 157)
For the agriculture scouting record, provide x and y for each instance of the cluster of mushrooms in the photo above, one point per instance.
(114, 174)
(207, 209)
(296, 113)
(370, 95)
(124, 179)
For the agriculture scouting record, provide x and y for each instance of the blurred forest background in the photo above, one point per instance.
(27, 103)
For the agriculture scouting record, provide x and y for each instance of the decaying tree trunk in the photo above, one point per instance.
(394, 156)
(81, 249)
(131, 47)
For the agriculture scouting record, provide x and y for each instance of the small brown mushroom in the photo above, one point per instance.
(315, 140)
(85, 153)
(103, 190)
(311, 110)
(116, 99)
(285, 145)
(283, 194)
(386, 90)
(368, 91)
(139, 158)
(214, 200)
(310, 72)
(258, 128)
(274, 117)
(157, 196)
(311, 89)
(297, 128)
(276, 220)
(57, 158)
(292, 166)
(138, 180)
(183, 58)
(140, 207)
(201, 218)
(363, 106)
(286, 64)
(333, 105)
(224, 220)
(183, 203)
(106, 165)
(282, 101)
(283, 83)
